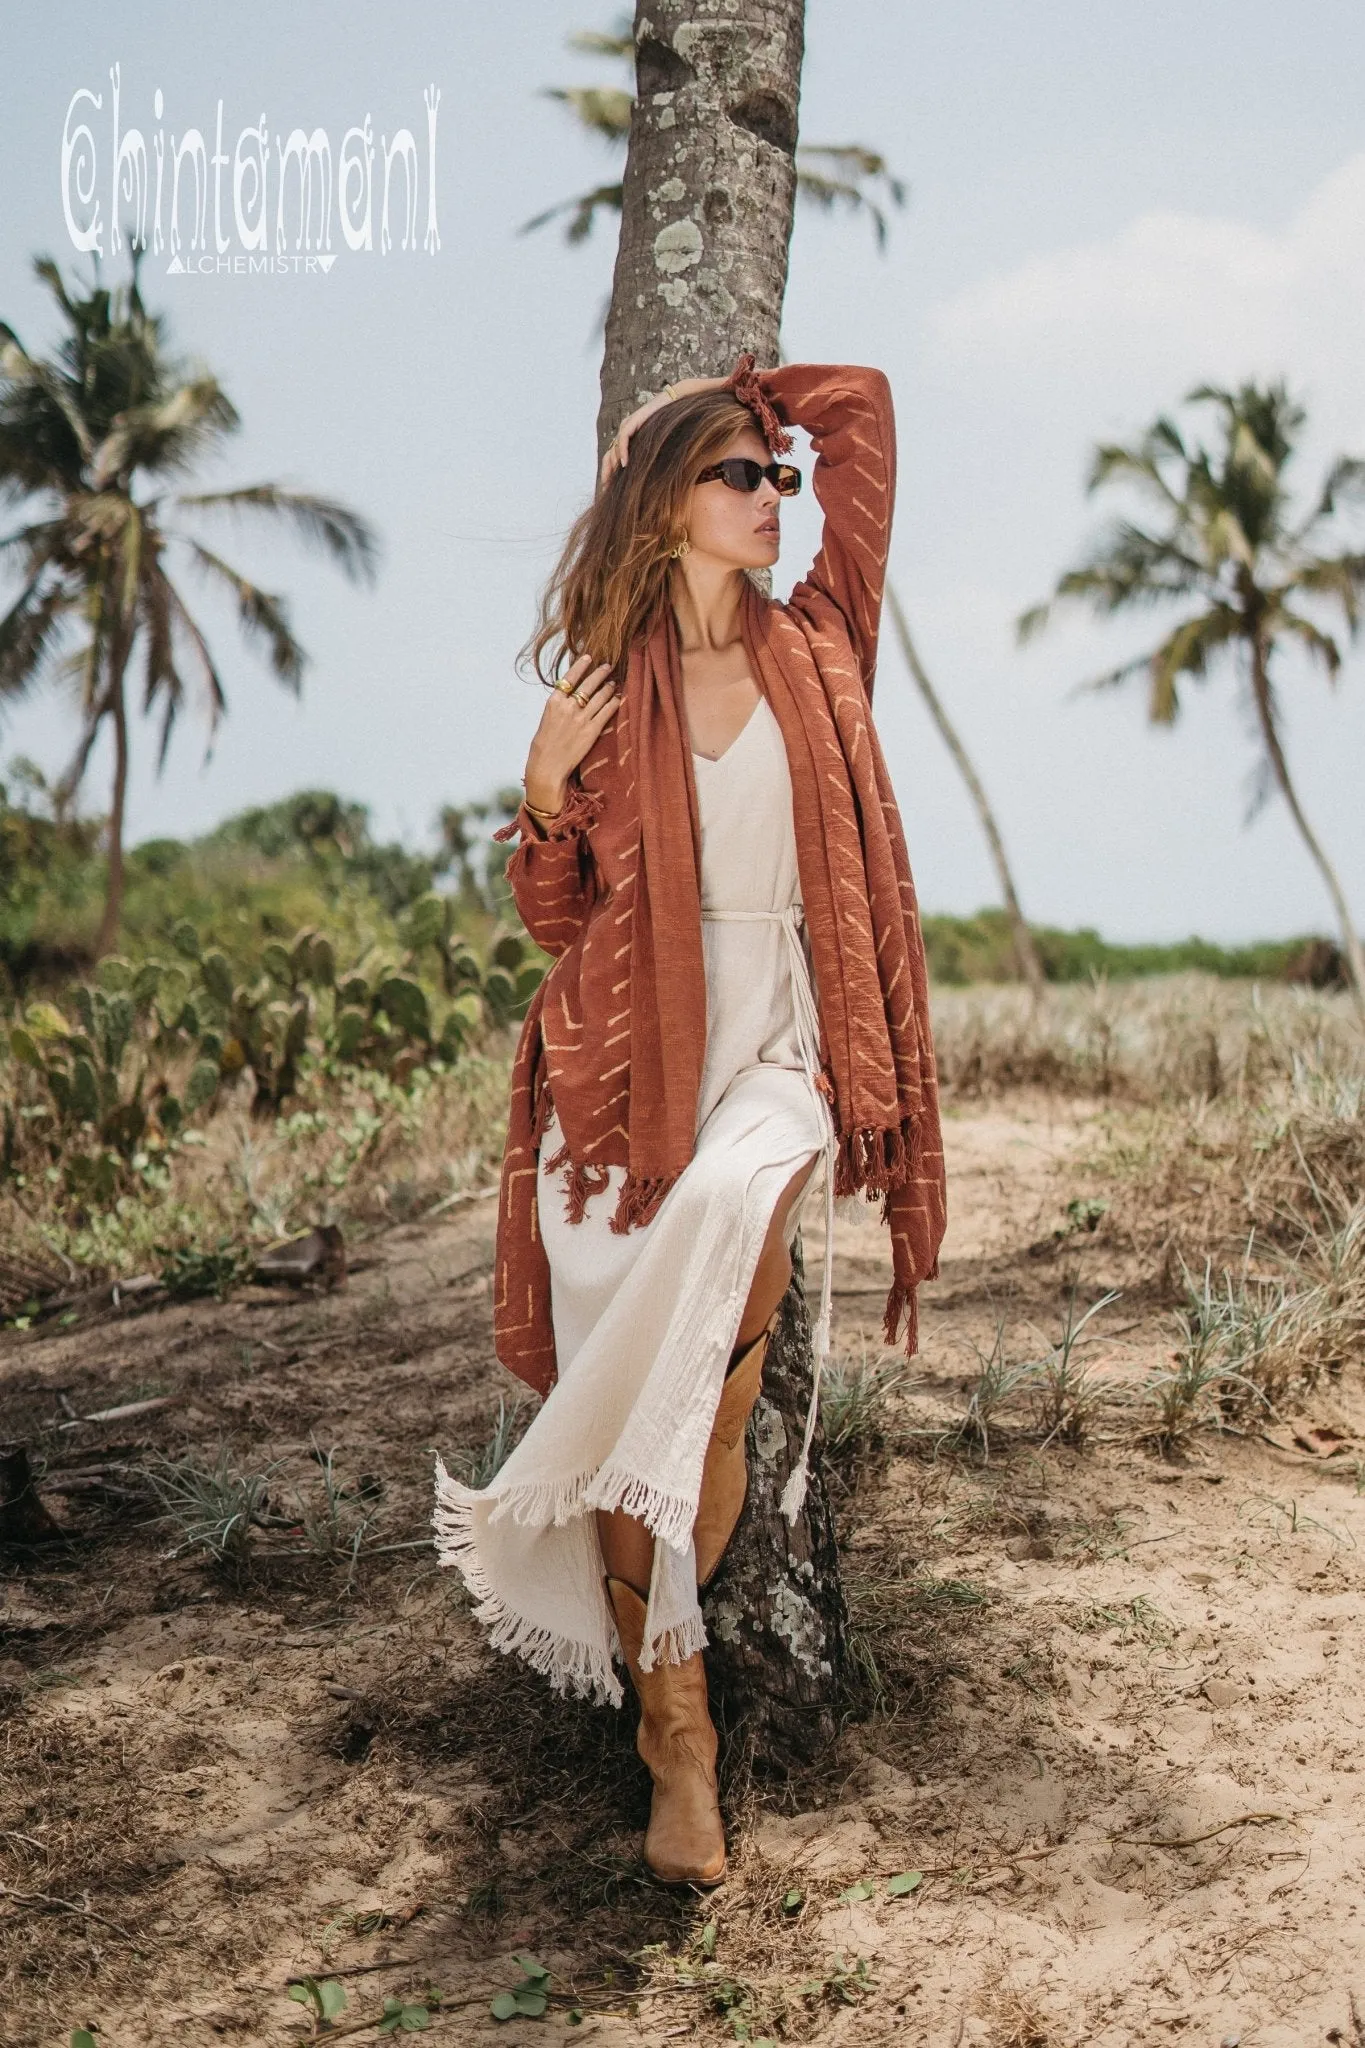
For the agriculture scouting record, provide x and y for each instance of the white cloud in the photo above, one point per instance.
(1174, 296)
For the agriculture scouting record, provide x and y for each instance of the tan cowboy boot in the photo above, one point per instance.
(685, 1840)
(725, 1474)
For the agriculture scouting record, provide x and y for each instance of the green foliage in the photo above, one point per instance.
(188, 1274)
(1063, 1384)
(326, 1999)
(105, 1084)
(479, 1467)
(219, 1509)
(90, 436)
(965, 950)
(49, 880)
(530, 1998)
(215, 1508)
(401, 2018)
(309, 860)
(854, 1405)
(93, 1110)
(1232, 1341)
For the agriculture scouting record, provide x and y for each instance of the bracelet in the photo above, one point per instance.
(536, 811)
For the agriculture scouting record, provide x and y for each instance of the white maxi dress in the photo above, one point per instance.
(645, 1321)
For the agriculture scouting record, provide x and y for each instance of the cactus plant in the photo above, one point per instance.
(130, 1058)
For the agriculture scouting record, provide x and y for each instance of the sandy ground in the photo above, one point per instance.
(1119, 1732)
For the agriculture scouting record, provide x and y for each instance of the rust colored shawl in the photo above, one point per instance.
(615, 1036)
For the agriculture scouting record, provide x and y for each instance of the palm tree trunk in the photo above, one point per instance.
(113, 890)
(1265, 712)
(701, 269)
(707, 196)
(1025, 952)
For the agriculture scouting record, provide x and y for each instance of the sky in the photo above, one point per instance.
(1107, 207)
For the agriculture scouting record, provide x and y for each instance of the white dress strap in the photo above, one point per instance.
(808, 1037)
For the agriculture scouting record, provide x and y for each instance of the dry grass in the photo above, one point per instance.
(1236, 1148)
(1016, 1640)
(1173, 1038)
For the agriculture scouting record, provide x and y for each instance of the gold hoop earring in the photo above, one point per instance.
(676, 553)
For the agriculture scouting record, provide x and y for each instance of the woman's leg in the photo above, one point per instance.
(627, 1548)
(772, 1275)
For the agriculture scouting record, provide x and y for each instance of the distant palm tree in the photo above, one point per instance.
(1025, 951)
(1223, 537)
(606, 111)
(81, 430)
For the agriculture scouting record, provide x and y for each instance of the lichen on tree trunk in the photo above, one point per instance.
(707, 197)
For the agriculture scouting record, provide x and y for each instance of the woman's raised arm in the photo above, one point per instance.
(846, 409)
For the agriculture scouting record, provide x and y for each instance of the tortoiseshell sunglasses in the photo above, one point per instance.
(742, 473)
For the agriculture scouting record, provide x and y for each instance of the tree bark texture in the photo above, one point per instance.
(707, 198)
(701, 270)
(775, 1611)
(113, 892)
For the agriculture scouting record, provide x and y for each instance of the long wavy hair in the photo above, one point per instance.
(612, 579)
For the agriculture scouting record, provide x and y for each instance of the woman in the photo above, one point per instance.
(712, 851)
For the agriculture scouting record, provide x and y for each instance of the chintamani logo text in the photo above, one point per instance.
(300, 184)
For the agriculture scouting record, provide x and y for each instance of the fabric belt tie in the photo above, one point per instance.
(808, 1037)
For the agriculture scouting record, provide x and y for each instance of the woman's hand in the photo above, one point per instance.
(619, 451)
(569, 724)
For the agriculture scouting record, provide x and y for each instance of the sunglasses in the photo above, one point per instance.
(742, 473)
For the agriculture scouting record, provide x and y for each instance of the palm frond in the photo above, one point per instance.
(131, 552)
(1320, 646)
(43, 540)
(852, 166)
(584, 210)
(593, 42)
(47, 272)
(161, 676)
(1113, 678)
(1186, 652)
(1141, 465)
(321, 522)
(1226, 538)
(166, 436)
(1343, 485)
(1338, 576)
(1131, 569)
(857, 161)
(1260, 787)
(827, 193)
(45, 441)
(30, 632)
(260, 615)
(213, 683)
(602, 109)
(1032, 622)
(68, 784)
